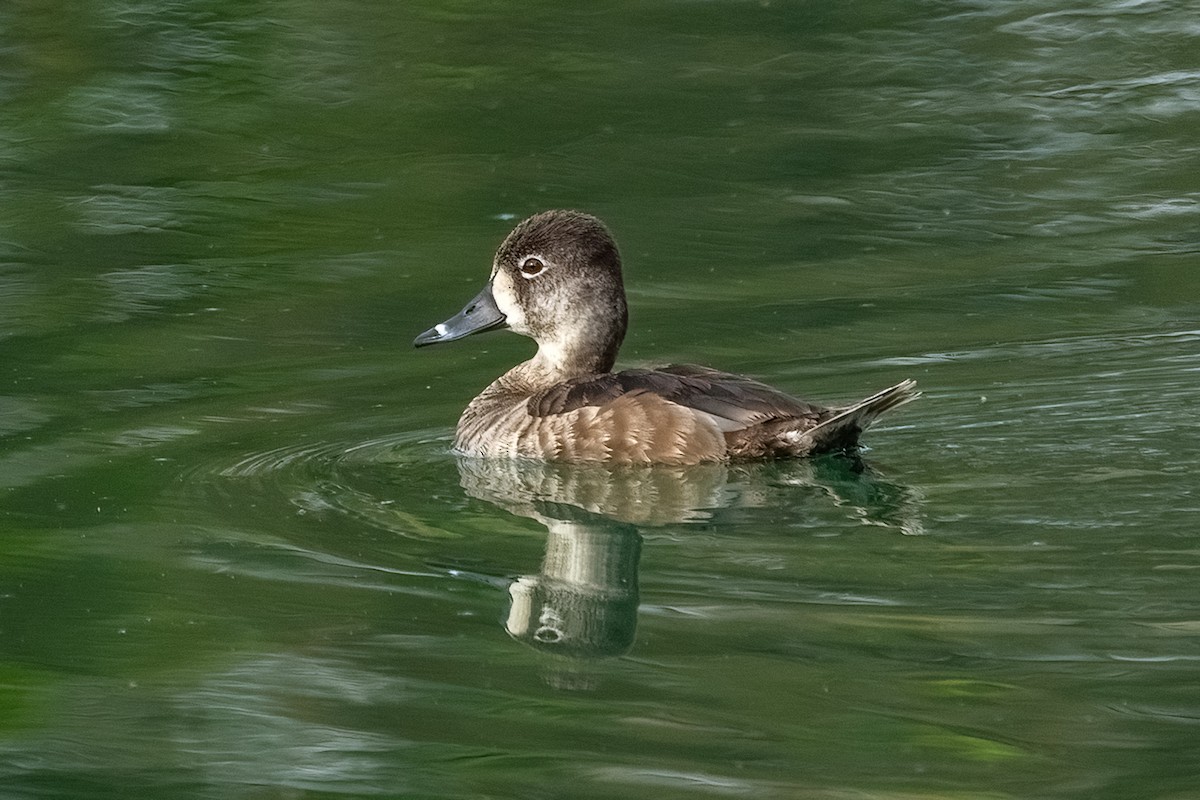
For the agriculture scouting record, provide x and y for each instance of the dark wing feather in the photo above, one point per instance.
(741, 400)
(590, 390)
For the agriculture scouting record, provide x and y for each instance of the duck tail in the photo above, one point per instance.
(841, 431)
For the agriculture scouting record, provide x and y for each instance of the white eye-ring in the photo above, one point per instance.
(532, 266)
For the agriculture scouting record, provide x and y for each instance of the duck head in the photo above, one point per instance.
(556, 279)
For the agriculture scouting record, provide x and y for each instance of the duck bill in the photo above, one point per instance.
(481, 314)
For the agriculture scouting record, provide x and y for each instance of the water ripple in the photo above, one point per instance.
(130, 209)
(375, 481)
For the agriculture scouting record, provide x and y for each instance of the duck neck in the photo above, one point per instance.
(556, 362)
(573, 358)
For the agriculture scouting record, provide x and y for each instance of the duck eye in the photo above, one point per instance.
(532, 266)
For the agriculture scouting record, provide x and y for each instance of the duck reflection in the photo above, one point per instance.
(583, 601)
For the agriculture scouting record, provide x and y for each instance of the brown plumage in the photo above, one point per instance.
(557, 279)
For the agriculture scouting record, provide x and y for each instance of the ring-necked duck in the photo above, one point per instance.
(557, 279)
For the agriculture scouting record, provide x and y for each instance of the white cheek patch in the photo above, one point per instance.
(505, 295)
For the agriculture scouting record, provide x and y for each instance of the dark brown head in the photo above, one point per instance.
(557, 279)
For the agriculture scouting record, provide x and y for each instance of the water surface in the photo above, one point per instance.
(237, 558)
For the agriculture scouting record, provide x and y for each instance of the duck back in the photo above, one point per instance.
(681, 414)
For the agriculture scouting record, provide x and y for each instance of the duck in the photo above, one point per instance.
(557, 279)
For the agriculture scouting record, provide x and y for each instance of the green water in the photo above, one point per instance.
(238, 561)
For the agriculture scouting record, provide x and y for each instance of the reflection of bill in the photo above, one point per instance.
(583, 603)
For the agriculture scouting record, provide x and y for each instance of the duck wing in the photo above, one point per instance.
(735, 402)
